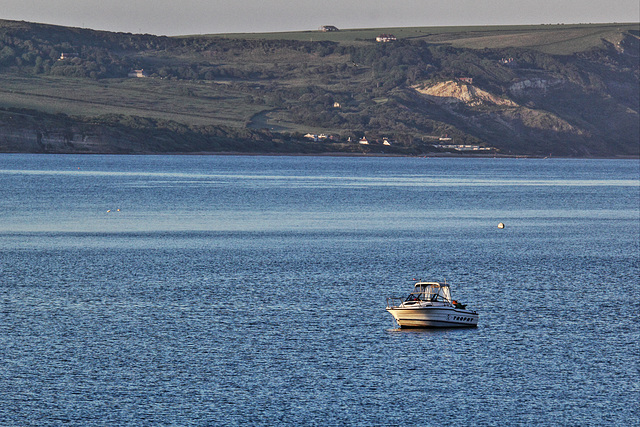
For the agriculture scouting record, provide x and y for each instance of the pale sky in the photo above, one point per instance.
(180, 17)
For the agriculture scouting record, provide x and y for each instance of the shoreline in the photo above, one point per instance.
(338, 154)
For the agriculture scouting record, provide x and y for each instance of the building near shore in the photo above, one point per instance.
(463, 147)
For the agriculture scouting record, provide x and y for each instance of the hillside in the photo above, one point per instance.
(564, 90)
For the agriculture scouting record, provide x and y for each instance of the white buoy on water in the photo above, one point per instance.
(501, 225)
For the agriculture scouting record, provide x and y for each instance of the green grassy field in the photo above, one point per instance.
(206, 102)
(553, 39)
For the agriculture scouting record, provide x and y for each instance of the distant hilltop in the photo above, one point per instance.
(561, 90)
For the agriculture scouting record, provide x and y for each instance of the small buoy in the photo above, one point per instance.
(501, 225)
(117, 210)
(109, 210)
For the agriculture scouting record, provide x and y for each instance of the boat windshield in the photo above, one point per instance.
(430, 292)
(417, 296)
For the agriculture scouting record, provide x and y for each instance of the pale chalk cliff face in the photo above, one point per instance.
(496, 115)
(453, 92)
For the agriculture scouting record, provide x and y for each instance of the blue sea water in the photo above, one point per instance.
(247, 290)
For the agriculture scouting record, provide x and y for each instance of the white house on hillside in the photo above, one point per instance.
(138, 73)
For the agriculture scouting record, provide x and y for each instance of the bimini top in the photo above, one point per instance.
(432, 291)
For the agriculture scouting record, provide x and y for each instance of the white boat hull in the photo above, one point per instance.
(433, 317)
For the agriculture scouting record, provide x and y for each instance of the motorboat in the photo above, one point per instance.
(430, 306)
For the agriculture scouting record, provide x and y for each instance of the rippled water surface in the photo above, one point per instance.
(220, 290)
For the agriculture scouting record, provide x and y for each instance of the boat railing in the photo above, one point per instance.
(394, 302)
